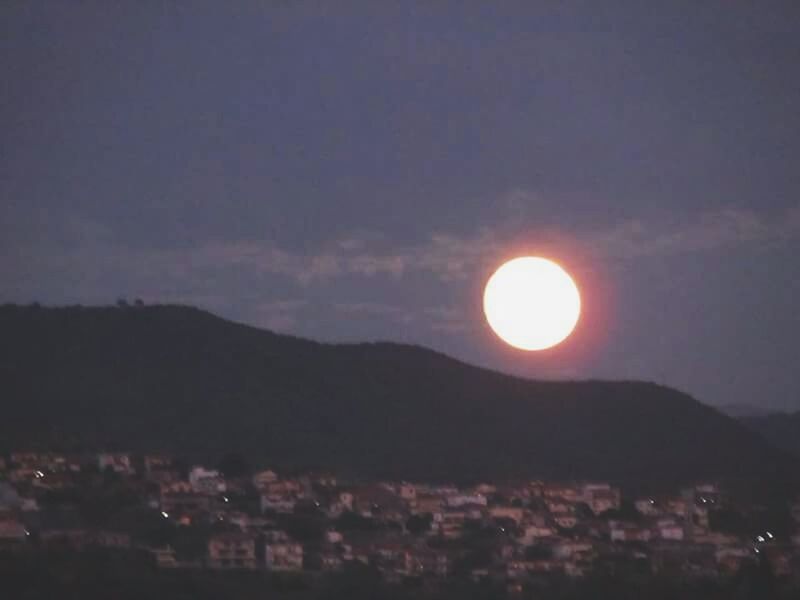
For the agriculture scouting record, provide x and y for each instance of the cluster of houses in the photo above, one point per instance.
(315, 523)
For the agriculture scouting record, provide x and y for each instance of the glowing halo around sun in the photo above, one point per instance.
(531, 303)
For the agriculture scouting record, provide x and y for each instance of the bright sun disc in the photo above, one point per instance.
(531, 303)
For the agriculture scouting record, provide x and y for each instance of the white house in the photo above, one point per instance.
(206, 481)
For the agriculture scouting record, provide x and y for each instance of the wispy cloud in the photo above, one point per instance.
(710, 231)
(283, 305)
(86, 257)
(397, 313)
(279, 315)
(449, 319)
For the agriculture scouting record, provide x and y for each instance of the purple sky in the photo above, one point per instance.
(352, 171)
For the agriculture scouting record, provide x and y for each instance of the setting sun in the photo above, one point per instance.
(531, 303)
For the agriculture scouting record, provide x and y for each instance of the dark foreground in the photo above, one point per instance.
(123, 575)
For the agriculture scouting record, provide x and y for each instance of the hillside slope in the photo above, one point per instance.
(782, 430)
(177, 378)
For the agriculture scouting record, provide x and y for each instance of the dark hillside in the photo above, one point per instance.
(181, 379)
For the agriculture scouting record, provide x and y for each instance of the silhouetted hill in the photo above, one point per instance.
(779, 429)
(743, 411)
(181, 379)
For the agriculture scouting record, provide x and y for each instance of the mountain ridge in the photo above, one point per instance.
(181, 379)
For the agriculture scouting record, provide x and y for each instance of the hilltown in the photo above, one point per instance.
(307, 524)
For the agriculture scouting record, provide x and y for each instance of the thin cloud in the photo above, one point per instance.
(393, 312)
(448, 319)
(281, 323)
(283, 305)
(87, 257)
(279, 315)
(713, 230)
